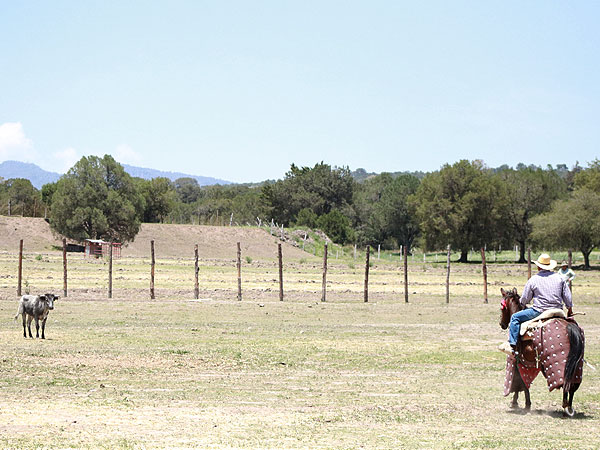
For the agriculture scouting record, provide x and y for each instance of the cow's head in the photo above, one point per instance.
(49, 298)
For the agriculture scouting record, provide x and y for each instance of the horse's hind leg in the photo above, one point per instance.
(568, 400)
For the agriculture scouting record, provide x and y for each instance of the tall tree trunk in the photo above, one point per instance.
(522, 252)
(463, 256)
(586, 259)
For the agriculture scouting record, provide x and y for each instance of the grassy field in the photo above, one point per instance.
(130, 372)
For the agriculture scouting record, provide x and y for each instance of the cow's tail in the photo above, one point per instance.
(576, 352)
(20, 311)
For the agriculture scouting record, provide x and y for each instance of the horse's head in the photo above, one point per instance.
(510, 304)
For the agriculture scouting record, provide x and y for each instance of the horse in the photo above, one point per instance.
(536, 353)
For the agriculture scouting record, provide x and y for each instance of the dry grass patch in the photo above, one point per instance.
(217, 373)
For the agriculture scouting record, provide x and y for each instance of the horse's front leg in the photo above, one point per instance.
(515, 400)
(527, 400)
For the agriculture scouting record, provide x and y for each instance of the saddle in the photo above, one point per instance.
(535, 323)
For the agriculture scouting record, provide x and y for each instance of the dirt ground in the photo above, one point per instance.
(216, 373)
(171, 241)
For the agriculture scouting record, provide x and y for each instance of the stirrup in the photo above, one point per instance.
(505, 347)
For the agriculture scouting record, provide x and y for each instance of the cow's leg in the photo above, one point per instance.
(43, 327)
(24, 326)
(37, 327)
(29, 319)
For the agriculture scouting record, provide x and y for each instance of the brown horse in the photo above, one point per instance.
(535, 353)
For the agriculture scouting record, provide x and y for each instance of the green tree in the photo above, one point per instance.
(589, 177)
(320, 188)
(188, 189)
(307, 218)
(47, 192)
(97, 199)
(368, 220)
(571, 224)
(458, 206)
(23, 196)
(525, 193)
(159, 198)
(383, 210)
(336, 226)
(397, 212)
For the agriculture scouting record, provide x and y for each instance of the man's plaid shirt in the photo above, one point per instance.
(548, 290)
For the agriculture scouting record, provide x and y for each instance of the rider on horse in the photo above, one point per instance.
(548, 290)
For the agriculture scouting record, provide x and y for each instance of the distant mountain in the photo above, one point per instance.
(39, 177)
(148, 174)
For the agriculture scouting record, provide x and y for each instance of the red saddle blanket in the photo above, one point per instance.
(551, 345)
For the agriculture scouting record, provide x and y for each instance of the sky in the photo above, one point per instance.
(240, 90)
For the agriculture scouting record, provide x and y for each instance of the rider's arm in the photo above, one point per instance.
(527, 293)
(567, 298)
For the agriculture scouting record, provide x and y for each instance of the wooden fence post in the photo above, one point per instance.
(196, 270)
(64, 267)
(448, 276)
(405, 257)
(20, 274)
(324, 290)
(484, 269)
(528, 263)
(110, 270)
(153, 263)
(280, 256)
(239, 271)
(367, 274)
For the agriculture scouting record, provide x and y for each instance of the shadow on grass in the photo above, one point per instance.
(555, 414)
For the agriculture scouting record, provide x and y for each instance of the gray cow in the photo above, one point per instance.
(35, 307)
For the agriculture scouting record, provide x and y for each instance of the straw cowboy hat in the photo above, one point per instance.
(544, 262)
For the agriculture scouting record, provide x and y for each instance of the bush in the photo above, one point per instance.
(307, 218)
(337, 227)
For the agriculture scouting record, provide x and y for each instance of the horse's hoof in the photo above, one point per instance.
(514, 406)
(569, 411)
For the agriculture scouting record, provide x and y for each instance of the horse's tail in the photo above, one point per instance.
(576, 352)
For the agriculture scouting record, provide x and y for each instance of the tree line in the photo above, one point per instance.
(465, 205)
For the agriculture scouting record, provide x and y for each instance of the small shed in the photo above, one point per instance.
(98, 248)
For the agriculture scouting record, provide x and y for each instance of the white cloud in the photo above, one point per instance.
(14, 144)
(65, 159)
(124, 154)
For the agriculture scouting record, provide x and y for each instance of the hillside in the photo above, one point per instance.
(29, 171)
(170, 241)
(39, 177)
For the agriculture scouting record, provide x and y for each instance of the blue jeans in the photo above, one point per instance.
(516, 320)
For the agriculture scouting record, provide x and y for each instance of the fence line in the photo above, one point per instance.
(280, 271)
